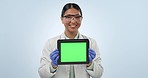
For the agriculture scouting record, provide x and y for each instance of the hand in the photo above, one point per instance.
(54, 56)
(92, 55)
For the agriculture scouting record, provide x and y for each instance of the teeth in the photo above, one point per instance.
(72, 26)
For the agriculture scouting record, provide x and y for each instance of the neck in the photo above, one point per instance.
(71, 35)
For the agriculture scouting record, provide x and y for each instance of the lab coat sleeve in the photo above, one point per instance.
(97, 69)
(45, 70)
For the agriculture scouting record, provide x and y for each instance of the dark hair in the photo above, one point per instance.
(69, 6)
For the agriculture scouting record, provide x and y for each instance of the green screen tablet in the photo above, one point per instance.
(73, 51)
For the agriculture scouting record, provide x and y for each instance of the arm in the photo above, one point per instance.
(95, 70)
(46, 70)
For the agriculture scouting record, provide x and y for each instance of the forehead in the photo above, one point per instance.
(72, 11)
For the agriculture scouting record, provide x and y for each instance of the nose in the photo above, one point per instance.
(73, 19)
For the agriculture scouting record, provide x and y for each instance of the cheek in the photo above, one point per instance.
(79, 24)
(66, 24)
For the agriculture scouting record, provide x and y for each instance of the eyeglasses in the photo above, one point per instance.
(75, 17)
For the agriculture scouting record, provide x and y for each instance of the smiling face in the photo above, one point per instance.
(71, 20)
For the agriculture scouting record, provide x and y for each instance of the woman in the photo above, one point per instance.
(71, 17)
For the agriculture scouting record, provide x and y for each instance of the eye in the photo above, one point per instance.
(77, 17)
(67, 17)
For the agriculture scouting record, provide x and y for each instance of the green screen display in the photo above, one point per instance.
(73, 52)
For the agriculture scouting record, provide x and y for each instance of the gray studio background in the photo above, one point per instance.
(119, 26)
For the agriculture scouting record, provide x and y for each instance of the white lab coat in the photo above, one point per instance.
(80, 70)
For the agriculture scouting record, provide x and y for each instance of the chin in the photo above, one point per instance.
(72, 31)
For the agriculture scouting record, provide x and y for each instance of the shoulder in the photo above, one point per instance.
(53, 39)
(52, 43)
(89, 38)
(92, 42)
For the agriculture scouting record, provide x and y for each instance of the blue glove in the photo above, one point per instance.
(54, 56)
(92, 55)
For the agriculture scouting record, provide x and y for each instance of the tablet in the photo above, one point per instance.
(73, 51)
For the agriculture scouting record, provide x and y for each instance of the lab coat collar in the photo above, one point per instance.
(78, 36)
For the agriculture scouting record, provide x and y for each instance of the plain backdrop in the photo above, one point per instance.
(120, 28)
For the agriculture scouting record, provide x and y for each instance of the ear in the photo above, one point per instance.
(62, 20)
(81, 18)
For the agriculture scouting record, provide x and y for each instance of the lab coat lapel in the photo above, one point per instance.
(80, 36)
(63, 36)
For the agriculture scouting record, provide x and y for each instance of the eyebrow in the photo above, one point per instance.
(72, 14)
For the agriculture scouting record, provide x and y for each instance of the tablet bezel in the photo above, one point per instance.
(73, 41)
